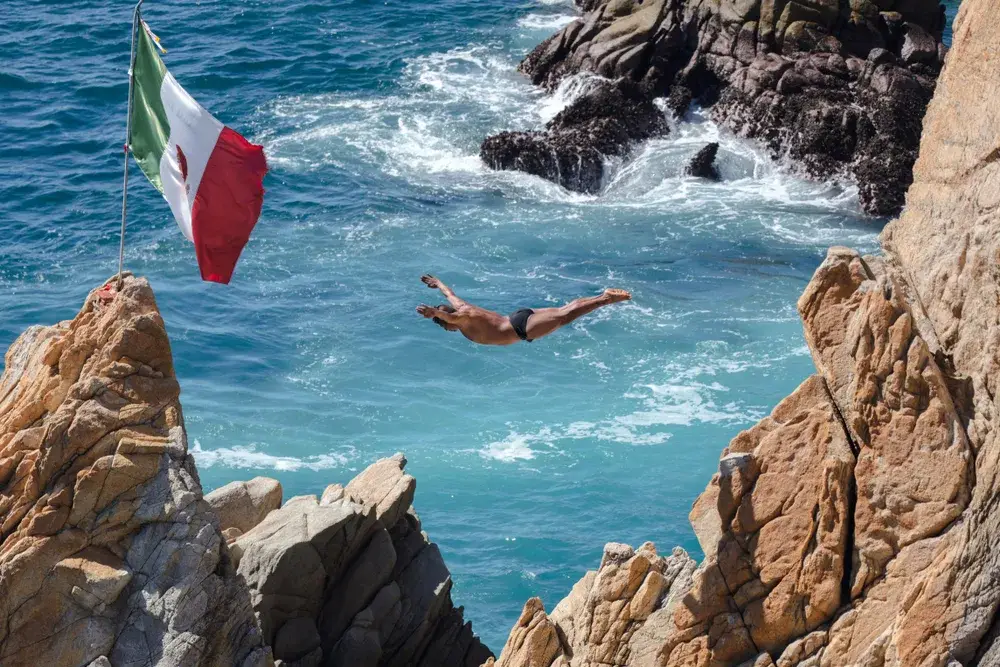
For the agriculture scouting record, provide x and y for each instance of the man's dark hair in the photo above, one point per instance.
(446, 308)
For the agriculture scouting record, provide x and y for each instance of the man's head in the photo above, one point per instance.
(441, 323)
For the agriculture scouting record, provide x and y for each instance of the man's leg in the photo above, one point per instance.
(546, 320)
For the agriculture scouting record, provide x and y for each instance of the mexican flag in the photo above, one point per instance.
(210, 175)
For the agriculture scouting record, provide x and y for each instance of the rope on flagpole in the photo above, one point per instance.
(128, 140)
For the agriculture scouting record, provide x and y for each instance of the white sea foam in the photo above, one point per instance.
(515, 447)
(659, 407)
(546, 21)
(682, 405)
(248, 457)
(568, 91)
(429, 131)
(654, 175)
(425, 130)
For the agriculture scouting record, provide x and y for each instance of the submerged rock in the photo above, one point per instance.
(838, 87)
(702, 164)
(856, 524)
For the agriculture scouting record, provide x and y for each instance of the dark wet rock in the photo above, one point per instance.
(918, 46)
(702, 164)
(607, 121)
(679, 100)
(892, 26)
(839, 87)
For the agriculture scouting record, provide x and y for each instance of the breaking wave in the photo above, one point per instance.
(428, 132)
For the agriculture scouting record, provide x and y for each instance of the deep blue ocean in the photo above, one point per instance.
(313, 363)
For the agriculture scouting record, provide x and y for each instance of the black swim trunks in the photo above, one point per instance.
(519, 320)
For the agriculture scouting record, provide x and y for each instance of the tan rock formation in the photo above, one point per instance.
(914, 464)
(534, 641)
(856, 525)
(111, 557)
(108, 553)
(351, 581)
(781, 550)
(242, 505)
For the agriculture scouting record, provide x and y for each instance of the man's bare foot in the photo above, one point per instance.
(425, 310)
(616, 295)
(430, 281)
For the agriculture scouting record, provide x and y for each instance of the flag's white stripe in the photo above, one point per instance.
(196, 132)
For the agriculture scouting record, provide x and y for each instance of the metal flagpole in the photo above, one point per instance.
(128, 140)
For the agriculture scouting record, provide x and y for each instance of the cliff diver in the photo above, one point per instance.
(529, 324)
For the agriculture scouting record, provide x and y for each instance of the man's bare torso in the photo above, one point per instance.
(482, 326)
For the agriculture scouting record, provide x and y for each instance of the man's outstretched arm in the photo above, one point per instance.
(431, 311)
(434, 283)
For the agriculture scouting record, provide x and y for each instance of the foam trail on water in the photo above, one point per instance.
(658, 407)
(515, 447)
(248, 457)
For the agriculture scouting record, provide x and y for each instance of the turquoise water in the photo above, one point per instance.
(313, 363)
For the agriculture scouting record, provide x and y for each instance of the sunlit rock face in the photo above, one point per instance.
(109, 554)
(108, 551)
(350, 580)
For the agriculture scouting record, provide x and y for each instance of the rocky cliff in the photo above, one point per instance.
(836, 87)
(110, 556)
(856, 525)
(108, 553)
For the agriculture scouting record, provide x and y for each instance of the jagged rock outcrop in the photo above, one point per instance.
(702, 164)
(108, 552)
(597, 623)
(110, 556)
(774, 526)
(913, 474)
(838, 87)
(856, 525)
(608, 121)
(350, 580)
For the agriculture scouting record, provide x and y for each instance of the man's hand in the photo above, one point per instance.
(426, 311)
(434, 283)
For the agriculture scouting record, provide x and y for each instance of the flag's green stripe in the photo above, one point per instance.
(150, 128)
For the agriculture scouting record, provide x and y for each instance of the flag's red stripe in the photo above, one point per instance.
(227, 204)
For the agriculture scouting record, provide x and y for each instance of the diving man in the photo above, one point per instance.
(529, 324)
